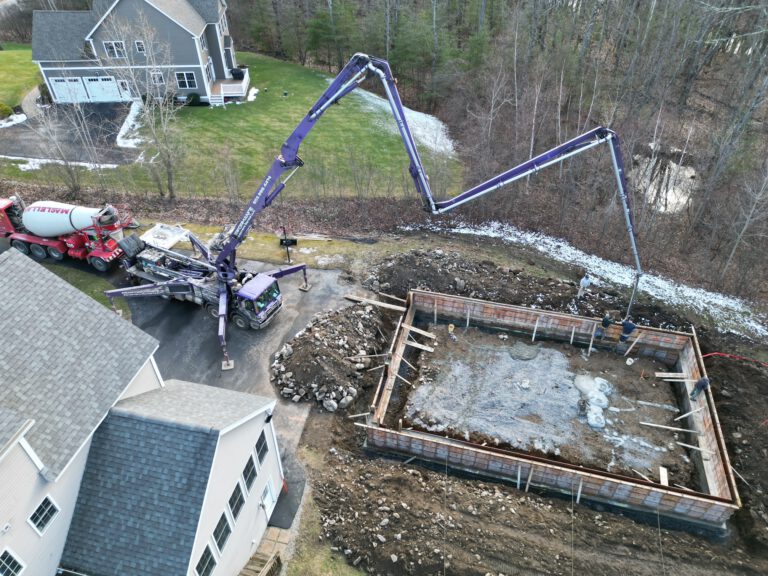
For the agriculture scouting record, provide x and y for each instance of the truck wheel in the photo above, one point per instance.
(241, 322)
(55, 253)
(212, 310)
(38, 252)
(99, 263)
(22, 247)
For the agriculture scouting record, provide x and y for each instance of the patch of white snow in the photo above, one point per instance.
(130, 126)
(12, 120)
(728, 313)
(37, 163)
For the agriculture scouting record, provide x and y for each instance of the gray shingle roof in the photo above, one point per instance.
(65, 360)
(60, 35)
(182, 12)
(11, 422)
(210, 10)
(193, 405)
(140, 498)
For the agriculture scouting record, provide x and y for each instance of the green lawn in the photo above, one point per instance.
(347, 153)
(18, 74)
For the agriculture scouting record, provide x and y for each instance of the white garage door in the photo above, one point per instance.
(69, 90)
(102, 89)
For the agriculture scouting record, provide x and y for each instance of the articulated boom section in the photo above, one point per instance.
(224, 280)
(357, 70)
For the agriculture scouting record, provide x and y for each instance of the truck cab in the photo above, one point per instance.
(258, 301)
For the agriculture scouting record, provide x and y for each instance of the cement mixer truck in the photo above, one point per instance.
(48, 229)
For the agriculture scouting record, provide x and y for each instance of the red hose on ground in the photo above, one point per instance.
(734, 357)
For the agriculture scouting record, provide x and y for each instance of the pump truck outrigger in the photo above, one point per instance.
(231, 284)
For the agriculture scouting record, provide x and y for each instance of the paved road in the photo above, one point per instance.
(189, 350)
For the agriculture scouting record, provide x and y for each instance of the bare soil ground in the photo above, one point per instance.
(385, 517)
(488, 387)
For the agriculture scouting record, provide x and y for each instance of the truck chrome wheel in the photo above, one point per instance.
(22, 247)
(55, 253)
(38, 252)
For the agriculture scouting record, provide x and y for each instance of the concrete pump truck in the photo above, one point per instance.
(216, 282)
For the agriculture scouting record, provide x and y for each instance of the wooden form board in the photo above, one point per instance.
(397, 349)
(374, 303)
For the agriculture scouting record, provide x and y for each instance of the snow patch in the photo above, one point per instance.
(252, 93)
(37, 163)
(728, 313)
(12, 120)
(426, 130)
(130, 125)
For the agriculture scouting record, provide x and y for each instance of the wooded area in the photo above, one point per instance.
(683, 82)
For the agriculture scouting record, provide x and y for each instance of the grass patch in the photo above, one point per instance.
(18, 74)
(89, 284)
(348, 153)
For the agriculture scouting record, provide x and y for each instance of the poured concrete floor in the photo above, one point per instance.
(521, 395)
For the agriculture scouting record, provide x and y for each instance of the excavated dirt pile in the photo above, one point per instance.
(333, 358)
(451, 273)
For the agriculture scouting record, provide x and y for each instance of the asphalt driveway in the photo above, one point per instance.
(189, 350)
(62, 132)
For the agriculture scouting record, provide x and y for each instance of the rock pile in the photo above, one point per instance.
(333, 358)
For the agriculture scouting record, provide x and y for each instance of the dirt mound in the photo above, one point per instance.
(333, 358)
(451, 273)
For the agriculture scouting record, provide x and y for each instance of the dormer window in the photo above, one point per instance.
(140, 47)
(115, 49)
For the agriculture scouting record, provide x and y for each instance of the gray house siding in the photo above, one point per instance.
(216, 51)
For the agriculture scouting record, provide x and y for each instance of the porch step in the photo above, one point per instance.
(262, 565)
(216, 99)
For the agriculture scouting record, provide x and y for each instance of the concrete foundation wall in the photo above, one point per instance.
(581, 483)
(715, 503)
(660, 344)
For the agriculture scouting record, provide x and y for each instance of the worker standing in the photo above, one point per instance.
(583, 285)
(627, 327)
(606, 323)
(701, 385)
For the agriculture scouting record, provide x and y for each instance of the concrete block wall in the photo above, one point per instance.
(711, 460)
(574, 481)
(660, 344)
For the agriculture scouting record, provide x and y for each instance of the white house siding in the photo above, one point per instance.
(231, 456)
(23, 491)
(147, 379)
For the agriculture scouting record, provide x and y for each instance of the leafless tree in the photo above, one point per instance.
(149, 74)
(750, 223)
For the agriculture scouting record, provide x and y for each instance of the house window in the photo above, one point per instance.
(203, 42)
(157, 77)
(44, 514)
(261, 447)
(209, 71)
(249, 473)
(140, 47)
(186, 80)
(114, 49)
(222, 532)
(9, 566)
(206, 564)
(224, 27)
(236, 501)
